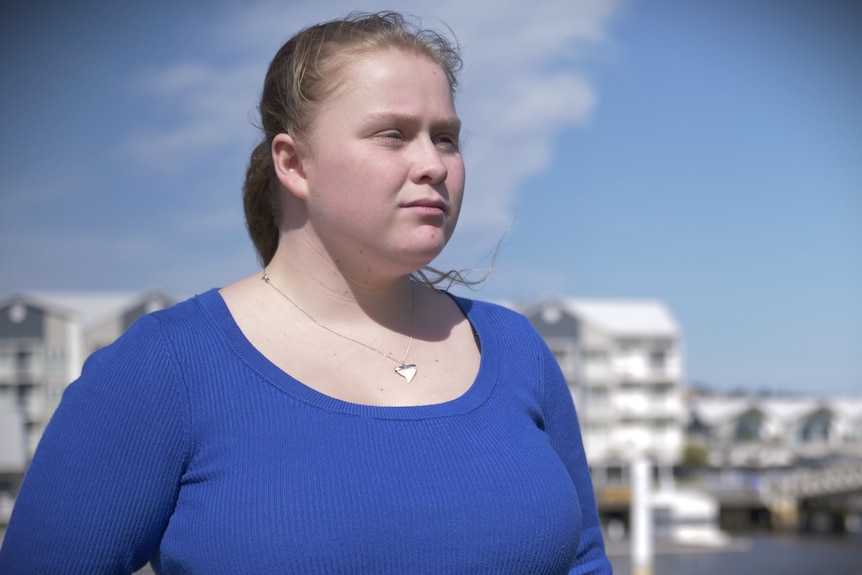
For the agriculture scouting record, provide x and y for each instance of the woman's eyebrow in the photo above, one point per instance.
(452, 123)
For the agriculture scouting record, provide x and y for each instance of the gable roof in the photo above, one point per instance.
(89, 307)
(717, 410)
(784, 410)
(633, 318)
(626, 318)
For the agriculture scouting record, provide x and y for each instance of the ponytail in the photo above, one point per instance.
(260, 201)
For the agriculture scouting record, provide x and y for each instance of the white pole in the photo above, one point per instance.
(641, 518)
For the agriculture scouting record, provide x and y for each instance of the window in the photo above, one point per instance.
(749, 427)
(597, 397)
(658, 361)
(815, 429)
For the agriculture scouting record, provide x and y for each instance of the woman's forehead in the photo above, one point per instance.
(359, 66)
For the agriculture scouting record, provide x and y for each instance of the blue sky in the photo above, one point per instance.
(707, 153)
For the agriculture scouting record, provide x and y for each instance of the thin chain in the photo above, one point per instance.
(266, 278)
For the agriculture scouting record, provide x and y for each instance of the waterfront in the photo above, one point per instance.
(761, 554)
(765, 554)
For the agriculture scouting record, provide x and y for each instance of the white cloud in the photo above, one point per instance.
(215, 104)
(521, 86)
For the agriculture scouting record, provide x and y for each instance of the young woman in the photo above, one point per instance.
(333, 414)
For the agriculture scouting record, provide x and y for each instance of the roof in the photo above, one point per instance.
(848, 407)
(620, 318)
(717, 410)
(626, 318)
(722, 409)
(90, 306)
(789, 409)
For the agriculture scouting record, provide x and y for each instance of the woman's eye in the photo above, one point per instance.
(447, 141)
(391, 135)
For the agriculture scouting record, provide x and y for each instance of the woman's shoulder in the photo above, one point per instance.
(165, 330)
(157, 351)
(194, 311)
(495, 310)
(499, 321)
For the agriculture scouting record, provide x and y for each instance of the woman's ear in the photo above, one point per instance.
(288, 159)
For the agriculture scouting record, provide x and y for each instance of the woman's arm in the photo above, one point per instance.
(103, 483)
(561, 425)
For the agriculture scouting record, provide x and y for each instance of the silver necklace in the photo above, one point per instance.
(404, 369)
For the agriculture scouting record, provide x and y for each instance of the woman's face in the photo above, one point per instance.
(385, 175)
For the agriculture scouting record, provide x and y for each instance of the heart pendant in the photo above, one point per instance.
(408, 371)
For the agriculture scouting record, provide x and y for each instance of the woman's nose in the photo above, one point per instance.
(430, 166)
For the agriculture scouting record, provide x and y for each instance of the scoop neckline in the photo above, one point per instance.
(477, 394)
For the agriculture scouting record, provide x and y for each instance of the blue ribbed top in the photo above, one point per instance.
(182, 445)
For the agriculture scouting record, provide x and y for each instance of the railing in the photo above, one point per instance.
(22, 375)
(641, 405)
(802, 483)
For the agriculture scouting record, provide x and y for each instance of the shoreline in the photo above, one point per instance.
(669, 547)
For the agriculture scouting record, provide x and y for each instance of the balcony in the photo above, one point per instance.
(645, 406)
(29, 375)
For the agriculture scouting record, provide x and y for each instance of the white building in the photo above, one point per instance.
(768, 432)
(44, 339)
(623, 362)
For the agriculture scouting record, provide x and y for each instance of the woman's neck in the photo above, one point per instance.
(334, 292)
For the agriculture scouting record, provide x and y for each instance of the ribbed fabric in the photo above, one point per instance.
(183, 445)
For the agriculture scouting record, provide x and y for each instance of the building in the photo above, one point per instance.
(778, 462)
(752, 432)
(44, 339)
(623, 363)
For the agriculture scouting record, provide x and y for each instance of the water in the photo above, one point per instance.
(756, 555)
(759, 555)
(748, 555)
